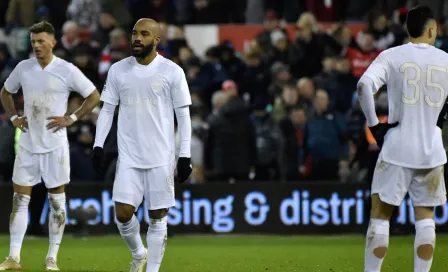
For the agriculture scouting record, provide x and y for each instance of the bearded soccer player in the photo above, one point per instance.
(148, 89)
(46, 82)
(412, 155)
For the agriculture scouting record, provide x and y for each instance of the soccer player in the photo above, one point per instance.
(46, 82)
(149, 89)
(412, 157)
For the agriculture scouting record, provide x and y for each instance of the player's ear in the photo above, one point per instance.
(157, 40)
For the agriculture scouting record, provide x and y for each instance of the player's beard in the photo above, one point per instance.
(144, 52)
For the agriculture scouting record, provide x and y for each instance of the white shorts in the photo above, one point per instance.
(53, 167)
(156, 185)
(426, 187)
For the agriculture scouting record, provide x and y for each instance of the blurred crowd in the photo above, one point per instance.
(284, 110)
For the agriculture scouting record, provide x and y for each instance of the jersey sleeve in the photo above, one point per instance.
(12, 83)
(79, 83)
(110, 90)
(180, 94)
(378, 71)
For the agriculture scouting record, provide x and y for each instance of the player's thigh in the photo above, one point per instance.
(26, 172)
(391, 182)
(128, 185)
(159, 187)
(427, 189)
(55, 167)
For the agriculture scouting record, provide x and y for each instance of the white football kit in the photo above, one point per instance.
(413, 155)
(147, 96)
(42, 153)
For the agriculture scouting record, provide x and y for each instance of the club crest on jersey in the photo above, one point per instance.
(156, 83)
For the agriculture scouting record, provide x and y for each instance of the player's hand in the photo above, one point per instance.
(98, 159)
(21, 123)
(184, 169)
(380, 130)
(59, 122)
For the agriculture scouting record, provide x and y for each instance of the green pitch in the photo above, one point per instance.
(229, 254)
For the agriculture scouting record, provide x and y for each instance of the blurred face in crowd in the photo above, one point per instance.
(343, 66)
(252, 61)
(185, 53)
(145, 37)
(380, 23)
(321, 101)
(107, 21)
(367, 42)
(298, 117)
(81, 61)
(329, 64)
(43, 44)
(281, 44)
(290, 96)
(306, 88)
(71, 31)
(284, 76)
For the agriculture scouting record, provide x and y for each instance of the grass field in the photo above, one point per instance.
(229, 254)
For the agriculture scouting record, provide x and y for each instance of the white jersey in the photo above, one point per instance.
(45, 93)
(147, 95)
(417, 83)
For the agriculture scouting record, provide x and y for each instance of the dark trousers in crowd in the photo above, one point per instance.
(324, 169)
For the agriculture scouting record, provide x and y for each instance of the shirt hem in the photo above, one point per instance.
(411, 166)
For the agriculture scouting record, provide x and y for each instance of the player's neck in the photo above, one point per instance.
(419, 40)
(45, 61)
(148, 59)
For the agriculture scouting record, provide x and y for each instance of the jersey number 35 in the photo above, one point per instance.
(415, 83)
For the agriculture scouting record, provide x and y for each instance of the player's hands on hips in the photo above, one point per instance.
(184, 169)
(59, 122)
(21, 123)
(380, 130)
(97, 159)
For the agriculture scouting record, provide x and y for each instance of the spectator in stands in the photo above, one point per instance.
(377, 26)
(255, 79)
(83, 58)
(268, 142)
(281, 48)
(233, 65)
(230, 150)
(362, 56)
(398, 27)
(325, 145)
(442, 39)
(310, 47)
(271, 23)
(285, 102)
(116, 50)
(7, 63)
(219, 98)
(307, 89)
(69, 41)
(340, 85)
(342, 34)
(85, 14)
(280, 77)
(292, 130)
(99, 39)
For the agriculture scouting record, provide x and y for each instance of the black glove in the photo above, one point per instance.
(98, 159)
(380, 130)
(184, 169)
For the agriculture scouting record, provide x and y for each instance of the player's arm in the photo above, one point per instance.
(180, 96)
(79, 83)
(375, 77)
(110, 99)
(12, 85)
